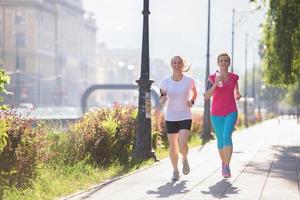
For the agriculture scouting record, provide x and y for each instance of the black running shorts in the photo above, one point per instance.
(176, 126)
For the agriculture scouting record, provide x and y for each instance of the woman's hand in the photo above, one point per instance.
(218, 78)
(237, 95)
(163, 96)
(190, 103)
(163, 99)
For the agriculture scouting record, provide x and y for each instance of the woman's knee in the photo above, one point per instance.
(228, 141)
(184, 136)
(173, 148)
(183, 145)
(220, 144)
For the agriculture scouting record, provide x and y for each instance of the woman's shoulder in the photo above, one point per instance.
(234, 75)
(188, 77)
(166, 79)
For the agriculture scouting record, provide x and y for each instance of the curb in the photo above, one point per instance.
(101, 185)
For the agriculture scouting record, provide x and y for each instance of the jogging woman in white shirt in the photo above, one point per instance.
(180, 93)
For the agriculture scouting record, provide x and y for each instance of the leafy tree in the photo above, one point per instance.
(282, 43)
(4, 79)
(293, 97)
(271, 97)
(280, 50)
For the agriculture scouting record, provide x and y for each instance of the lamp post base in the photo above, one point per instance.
(146, 155)
(143, 143)
(206, 137)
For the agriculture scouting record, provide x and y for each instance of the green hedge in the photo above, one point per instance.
(18, 159)
(105, 136)
(101, 137)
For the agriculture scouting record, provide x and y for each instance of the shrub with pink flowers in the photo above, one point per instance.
(105, 135)
(18, 159)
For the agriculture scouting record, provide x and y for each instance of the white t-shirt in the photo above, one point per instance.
(178, 94)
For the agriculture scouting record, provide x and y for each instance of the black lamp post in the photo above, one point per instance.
(206, 135)
(143, 142)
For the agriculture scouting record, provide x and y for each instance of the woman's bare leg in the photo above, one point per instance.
(173, 149)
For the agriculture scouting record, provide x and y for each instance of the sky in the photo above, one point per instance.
(179, 27)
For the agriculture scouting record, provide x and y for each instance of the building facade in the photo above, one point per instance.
(48, 48)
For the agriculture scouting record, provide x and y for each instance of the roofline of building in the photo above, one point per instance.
(90, 25)
(69, 4)
(42, 4)
(19, 2)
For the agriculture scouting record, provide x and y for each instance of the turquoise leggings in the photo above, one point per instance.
(223, 126)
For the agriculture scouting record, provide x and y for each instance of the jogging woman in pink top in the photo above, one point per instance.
(223, 87)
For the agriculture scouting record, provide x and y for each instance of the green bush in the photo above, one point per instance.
(126, 121)
(197, 126)
(55, 146)
(4, 79)
(18, 163)
(159, 131)
(105, 135)
(3, 134)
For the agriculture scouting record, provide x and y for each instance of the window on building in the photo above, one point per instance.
(20, 39)
(1, 38)
(20, 18)
(1, 33)
(21, 63)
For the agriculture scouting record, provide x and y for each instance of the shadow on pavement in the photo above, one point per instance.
(169, 189)
(285, 164)
(221, 189)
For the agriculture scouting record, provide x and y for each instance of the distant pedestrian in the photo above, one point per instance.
(180, 93)
(223, 87)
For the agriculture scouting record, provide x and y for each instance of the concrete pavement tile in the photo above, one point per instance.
(256, 150)
(274, 187)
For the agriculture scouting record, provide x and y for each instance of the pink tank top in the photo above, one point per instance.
(223, 101)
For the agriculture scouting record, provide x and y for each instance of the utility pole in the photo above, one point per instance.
(18, 71)
(245, 86)
(253, 76)
(232, 39)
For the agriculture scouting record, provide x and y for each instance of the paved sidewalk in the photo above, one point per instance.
(265, 165)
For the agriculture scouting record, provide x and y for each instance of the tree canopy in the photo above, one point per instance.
(4, 79)
(282, 43)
